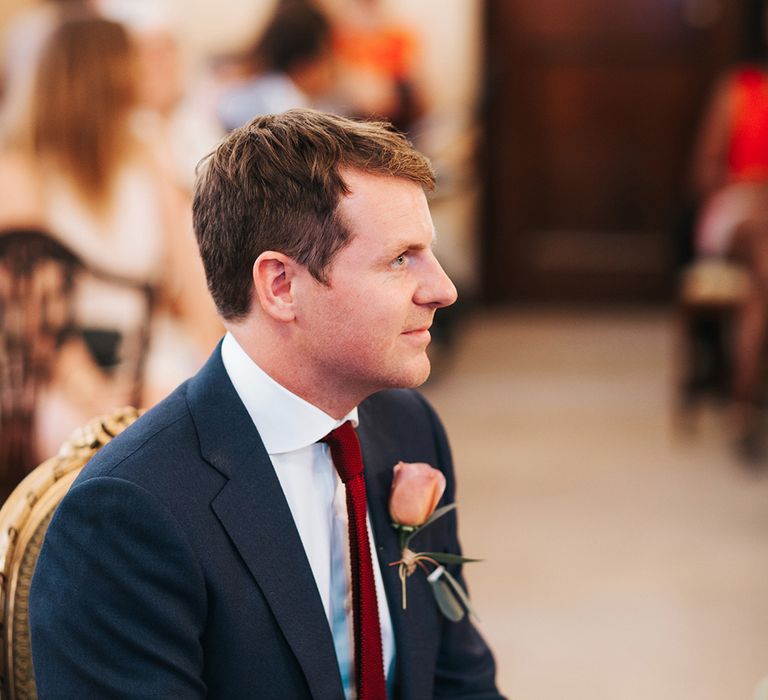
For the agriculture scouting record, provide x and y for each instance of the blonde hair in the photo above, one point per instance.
(78, 107)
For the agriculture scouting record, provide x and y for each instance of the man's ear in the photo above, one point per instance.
(273, 275)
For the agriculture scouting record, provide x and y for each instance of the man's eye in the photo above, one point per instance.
(400, 260)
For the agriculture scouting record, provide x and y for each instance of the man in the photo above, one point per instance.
(202, 552)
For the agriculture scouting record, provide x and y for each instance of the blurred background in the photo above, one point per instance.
(601, 206)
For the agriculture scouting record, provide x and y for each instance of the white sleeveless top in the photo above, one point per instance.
(129, 242)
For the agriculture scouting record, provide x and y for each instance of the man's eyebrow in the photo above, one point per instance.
(410, 245)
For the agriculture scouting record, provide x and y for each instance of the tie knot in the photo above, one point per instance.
(345, 451)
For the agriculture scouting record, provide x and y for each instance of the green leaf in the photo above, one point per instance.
(439, 513)
(446, 600)
(446, 558)
(461, 593)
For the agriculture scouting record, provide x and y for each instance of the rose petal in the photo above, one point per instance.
(416, 490)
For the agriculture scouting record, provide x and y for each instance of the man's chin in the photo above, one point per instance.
(416, 375)
(425, 374)
(406, 376)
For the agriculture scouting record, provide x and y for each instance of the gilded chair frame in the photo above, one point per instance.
(24, 520)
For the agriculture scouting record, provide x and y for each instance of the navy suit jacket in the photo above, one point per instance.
(173, 568)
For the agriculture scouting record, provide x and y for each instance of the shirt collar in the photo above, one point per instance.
(285, 422)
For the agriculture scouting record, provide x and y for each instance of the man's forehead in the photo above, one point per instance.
(358, 180)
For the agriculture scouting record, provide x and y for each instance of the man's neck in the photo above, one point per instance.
(275, 359)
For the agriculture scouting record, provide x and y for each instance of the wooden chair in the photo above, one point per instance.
(38, 279)
(711, 291)
(24, 519)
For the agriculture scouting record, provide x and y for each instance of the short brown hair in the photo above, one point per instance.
(275, 184)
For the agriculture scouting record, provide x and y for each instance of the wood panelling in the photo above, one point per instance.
(591, 111)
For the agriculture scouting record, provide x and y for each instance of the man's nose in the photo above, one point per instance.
(436, 289)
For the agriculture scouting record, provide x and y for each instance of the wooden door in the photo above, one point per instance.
(591, 111)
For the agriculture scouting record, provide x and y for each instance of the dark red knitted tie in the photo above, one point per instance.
(369, 662)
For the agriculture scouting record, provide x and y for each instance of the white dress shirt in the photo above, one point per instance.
(290, 428)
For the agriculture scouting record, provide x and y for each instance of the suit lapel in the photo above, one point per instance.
(252, 509)
(415, 628)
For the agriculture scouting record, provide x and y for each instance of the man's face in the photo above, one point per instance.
(368, 329)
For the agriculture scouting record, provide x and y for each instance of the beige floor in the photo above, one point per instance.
(623, 562)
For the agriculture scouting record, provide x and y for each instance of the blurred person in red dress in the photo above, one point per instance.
(731, 181)
(377, 58)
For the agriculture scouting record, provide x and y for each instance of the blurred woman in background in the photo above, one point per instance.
(731, 181)
(73, 166)
(290, 65)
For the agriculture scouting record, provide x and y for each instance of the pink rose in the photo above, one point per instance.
(416, 489)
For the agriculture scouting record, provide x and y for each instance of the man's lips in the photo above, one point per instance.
(421, 334)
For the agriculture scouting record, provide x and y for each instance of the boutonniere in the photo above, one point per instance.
(416, 490)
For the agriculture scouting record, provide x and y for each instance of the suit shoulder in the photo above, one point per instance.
(165, 431)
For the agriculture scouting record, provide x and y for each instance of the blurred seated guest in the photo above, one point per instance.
(47, 353)
(71, 165)
(290, 66)
(26, 31)
(377, 63)
(731, 182)
(180, 129)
